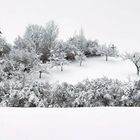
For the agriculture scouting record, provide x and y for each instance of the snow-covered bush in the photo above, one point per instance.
(91, 48)
(99, 92)
(70, 51)
(62, 96)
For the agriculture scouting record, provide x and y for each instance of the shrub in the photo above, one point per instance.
(98, 92)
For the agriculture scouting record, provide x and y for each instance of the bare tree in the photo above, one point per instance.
(135, 59)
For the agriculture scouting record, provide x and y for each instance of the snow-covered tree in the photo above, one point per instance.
(24, 57)
(135, 59)
(41, 68)
(33, 36)
(20, 44)
(91, 48)
(58, 55)
(50, 35)
(5, 48)
(70, 51)
(79, 41)
(80, 57)
(79, 44)
(108, 51)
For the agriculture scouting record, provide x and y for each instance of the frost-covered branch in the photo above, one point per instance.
(135, 59)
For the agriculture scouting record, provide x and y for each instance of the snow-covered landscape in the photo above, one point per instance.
(69, 70)
(40, 69)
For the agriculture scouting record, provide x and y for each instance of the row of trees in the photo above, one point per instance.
(41, 44)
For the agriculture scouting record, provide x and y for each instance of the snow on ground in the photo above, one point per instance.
(92, 68)
(69, 124)
(108, 123)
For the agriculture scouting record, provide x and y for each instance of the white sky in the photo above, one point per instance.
(115, 21)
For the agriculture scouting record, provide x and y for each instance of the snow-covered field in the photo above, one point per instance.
(92, 68)
(75, 123)
(69, 124)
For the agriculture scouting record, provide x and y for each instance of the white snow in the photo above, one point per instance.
(69, 124)
(92, 68)
(75, 123)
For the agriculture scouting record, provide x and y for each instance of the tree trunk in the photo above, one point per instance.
(62, 67)
(106, 57)
(40, 73)
(138, 71)
(80, 63)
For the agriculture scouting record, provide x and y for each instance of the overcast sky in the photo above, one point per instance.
(115, 21)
